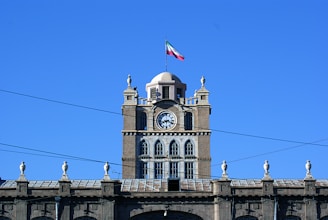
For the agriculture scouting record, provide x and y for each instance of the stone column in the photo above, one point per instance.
(65, 193)
(109, 190)
(309, 201)
(222, 201)
(20, 203)
(267, 199)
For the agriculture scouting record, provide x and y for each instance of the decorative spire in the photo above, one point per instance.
(266, 167)
(129, 80)
(64, 168)
(106, 169)
(308, 167)
(202, 81)
(224, 168)
(22, 170)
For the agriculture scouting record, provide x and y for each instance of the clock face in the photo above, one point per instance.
(166, 120)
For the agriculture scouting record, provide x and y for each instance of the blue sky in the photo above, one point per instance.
(265, 64)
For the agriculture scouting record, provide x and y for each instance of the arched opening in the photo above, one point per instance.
(174, 149)
(143, 148)
(40, 218)
(85, 218)
(292, 218)
(158, 148)
(248, 217)
(4, 218)
(189, 148)
(167, 215)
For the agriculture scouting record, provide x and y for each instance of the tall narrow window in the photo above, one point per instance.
(166, 92)
(143, 148)
(158, 148)
(189, 149)
(174, 170)
(142, 121)
(143, 170)
(189, 170)
(188, 121)
(174, 149)
(158, 170)
(179, 93)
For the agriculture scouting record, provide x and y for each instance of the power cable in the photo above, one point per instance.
(275, 151)
(116, 113)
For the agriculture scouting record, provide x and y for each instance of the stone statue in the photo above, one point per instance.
(202, 81)
(129, 80)
(308, 166)
(106, 169)
(64, 168)
(266, 167)
(224, 168)
(22, 168)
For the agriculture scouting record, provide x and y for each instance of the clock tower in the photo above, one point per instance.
(166, 135)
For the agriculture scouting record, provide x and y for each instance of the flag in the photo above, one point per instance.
(170, 50)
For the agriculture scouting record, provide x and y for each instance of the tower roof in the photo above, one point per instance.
(165, 76)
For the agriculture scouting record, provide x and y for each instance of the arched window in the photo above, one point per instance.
(143, 148)
(174, 149)
(158, 148)
(188, 121)
(189, 149)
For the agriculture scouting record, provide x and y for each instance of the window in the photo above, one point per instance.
(158, 170)
(189, 170)
(143, 148)
(158, 148)
(174, 170)
(165, 93)
(153, 93)
(189, 149)
(188, 121)
(142, 121)
(179, 93)
(143, 170)
(174, 149)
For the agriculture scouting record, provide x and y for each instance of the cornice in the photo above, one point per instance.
(166, 133)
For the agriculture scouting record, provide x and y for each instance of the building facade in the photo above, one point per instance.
(166, 135)
(166, 173)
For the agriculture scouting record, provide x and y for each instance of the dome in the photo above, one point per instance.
(165, 76)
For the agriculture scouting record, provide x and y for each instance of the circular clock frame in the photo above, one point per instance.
(166, 120)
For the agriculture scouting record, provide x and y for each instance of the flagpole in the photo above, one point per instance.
(165, 57)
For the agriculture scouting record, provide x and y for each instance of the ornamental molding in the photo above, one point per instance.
(166, 133)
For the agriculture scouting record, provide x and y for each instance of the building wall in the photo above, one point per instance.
(221, 200)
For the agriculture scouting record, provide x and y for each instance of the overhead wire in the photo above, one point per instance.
(121, 114)
(65, 156)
